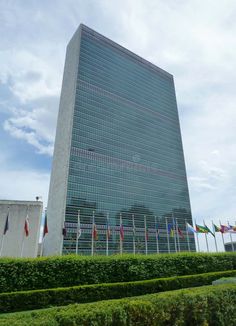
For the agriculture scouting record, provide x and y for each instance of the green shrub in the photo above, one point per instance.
(26, 274)
(35, 299)
(203, 306)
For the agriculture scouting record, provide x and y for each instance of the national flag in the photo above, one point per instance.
(224, 228)
(232, 229)
(6, 227)
(79, 231)
(171, 230)
(216, 228)
(122, 234)
(26, 226)
(95, 232)
(180, 233)
(201, 229)
(209, 231)
(108, 229)
(45, 228)
(64, 231)
(190, 228)
(157, 231)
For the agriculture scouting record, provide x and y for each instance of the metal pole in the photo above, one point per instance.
(223, 240)
(107, 239)
(156, 235)
(121, 240)
(92, 246)
(206, 238)
(197, 238)
(77, 233)
(187, 235)
(231, 239)
(173, 222)
(167, 235)
(133, 235)
(214, 235)
(177, 233)
(145, 227)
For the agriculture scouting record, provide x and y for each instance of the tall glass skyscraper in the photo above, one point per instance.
(118, 154)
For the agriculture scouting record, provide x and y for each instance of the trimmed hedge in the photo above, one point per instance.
(52, 272)
(35, 299)
(203, 306)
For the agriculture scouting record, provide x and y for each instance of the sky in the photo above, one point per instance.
(193, 40)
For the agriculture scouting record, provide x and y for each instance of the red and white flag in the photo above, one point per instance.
(26, 227)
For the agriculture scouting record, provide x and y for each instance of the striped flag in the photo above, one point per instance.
(26, 226)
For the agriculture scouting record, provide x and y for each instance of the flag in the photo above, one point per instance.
(216, 228)
(64, 231)
(209, 230)
(122, 235)
(26, 226)
(79, 231)
(180, 233)
(108, 229)
(157, 230)
(190, 228)
(201, 229)
(45, 228)
(95, 232)
(6, 227)
(171, 230)
(232, 229)
(224, 228)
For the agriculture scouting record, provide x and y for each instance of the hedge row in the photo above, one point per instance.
(53, 272)
(35, 299)
(203, 306)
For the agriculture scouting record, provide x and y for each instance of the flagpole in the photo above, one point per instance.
(197, 237)
(77, 233)
(167, 235)
(23, 241)
(173, 222)
(92, 246)
(121, 243)
(213, 227)
(134, 249)
(223, 240)
(187, 235)
(231, 239)
(107, 239)
(177, 233)
(156, 235)
(206, 237)
(145, 227)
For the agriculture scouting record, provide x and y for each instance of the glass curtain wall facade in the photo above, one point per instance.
(126, 157)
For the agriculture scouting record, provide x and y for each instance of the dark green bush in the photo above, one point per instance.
(26, 274)
(35, 299)
(203, 306)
